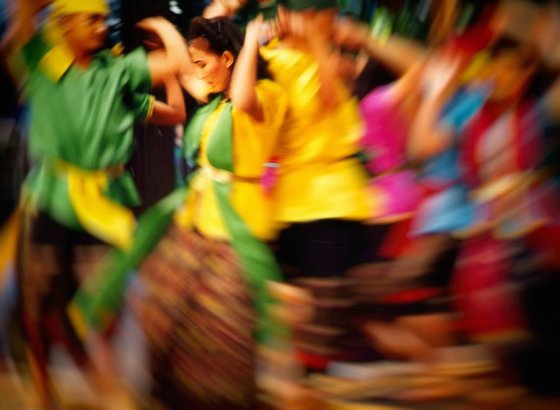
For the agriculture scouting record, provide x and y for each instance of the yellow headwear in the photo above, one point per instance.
(64, 7)
(57, 61)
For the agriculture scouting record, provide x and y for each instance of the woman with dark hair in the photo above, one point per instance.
(202, 249)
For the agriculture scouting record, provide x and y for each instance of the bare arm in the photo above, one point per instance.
(173, 112)
(168, 61)
(222, 8)
(408, 84)
(299, 28)
(428, 135)
(328, 75)
(398, 54)
(188, 80)
(244, 78)
(21, 24)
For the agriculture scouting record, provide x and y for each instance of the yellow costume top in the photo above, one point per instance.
(252, 144)
(319, 177)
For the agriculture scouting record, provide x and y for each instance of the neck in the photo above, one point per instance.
(83, 61)
(295, 42)
(82, 58)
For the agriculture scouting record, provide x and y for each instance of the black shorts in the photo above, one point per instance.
(320, 249)
(46, 231)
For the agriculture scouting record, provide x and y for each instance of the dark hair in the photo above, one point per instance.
(223, 35)
(528, 53)
(529, 57)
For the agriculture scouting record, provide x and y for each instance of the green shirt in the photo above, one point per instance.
(84, 118)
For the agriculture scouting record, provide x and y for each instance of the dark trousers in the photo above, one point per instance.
(320, 249)
(51, 264)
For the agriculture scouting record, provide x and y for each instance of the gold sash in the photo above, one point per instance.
(106, 219)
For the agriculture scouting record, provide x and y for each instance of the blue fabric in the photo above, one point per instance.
(450, 209)
(462, 107)
(445, 212)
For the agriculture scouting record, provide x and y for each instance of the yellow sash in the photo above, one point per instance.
(106, 219)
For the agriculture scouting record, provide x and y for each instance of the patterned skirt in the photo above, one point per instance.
(198, 318)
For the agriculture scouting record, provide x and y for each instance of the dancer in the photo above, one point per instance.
(84, 103)
(202, 249)
(321, 196)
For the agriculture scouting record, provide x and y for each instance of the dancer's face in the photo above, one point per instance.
(508, 73)
(214, 69)
(85, 32)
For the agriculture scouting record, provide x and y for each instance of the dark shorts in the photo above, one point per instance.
(319, 249)
(45, 230)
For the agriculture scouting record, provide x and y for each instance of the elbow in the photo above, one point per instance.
(180, 118)
(169, 118)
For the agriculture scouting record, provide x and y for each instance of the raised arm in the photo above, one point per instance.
(397, 53)
(173, 112)
(312, 31)
(244, 78)
(169, 60)
(428, 134)
(327, 69)
(321, 46)
(22, 25)
(222, 8)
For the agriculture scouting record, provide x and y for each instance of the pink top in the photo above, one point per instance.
(385, 143)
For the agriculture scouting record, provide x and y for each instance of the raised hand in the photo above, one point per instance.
(154, 24)
(171, 56)
(292, 23)
(351, 34)
(440, 74)
(255, 31)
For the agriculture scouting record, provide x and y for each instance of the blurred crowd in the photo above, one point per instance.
(363, 207)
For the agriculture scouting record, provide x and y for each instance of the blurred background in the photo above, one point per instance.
(463, 320)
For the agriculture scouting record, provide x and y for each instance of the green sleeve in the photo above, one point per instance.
(33, 51)
(139, 83)
(136, 66)
(143, 105)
